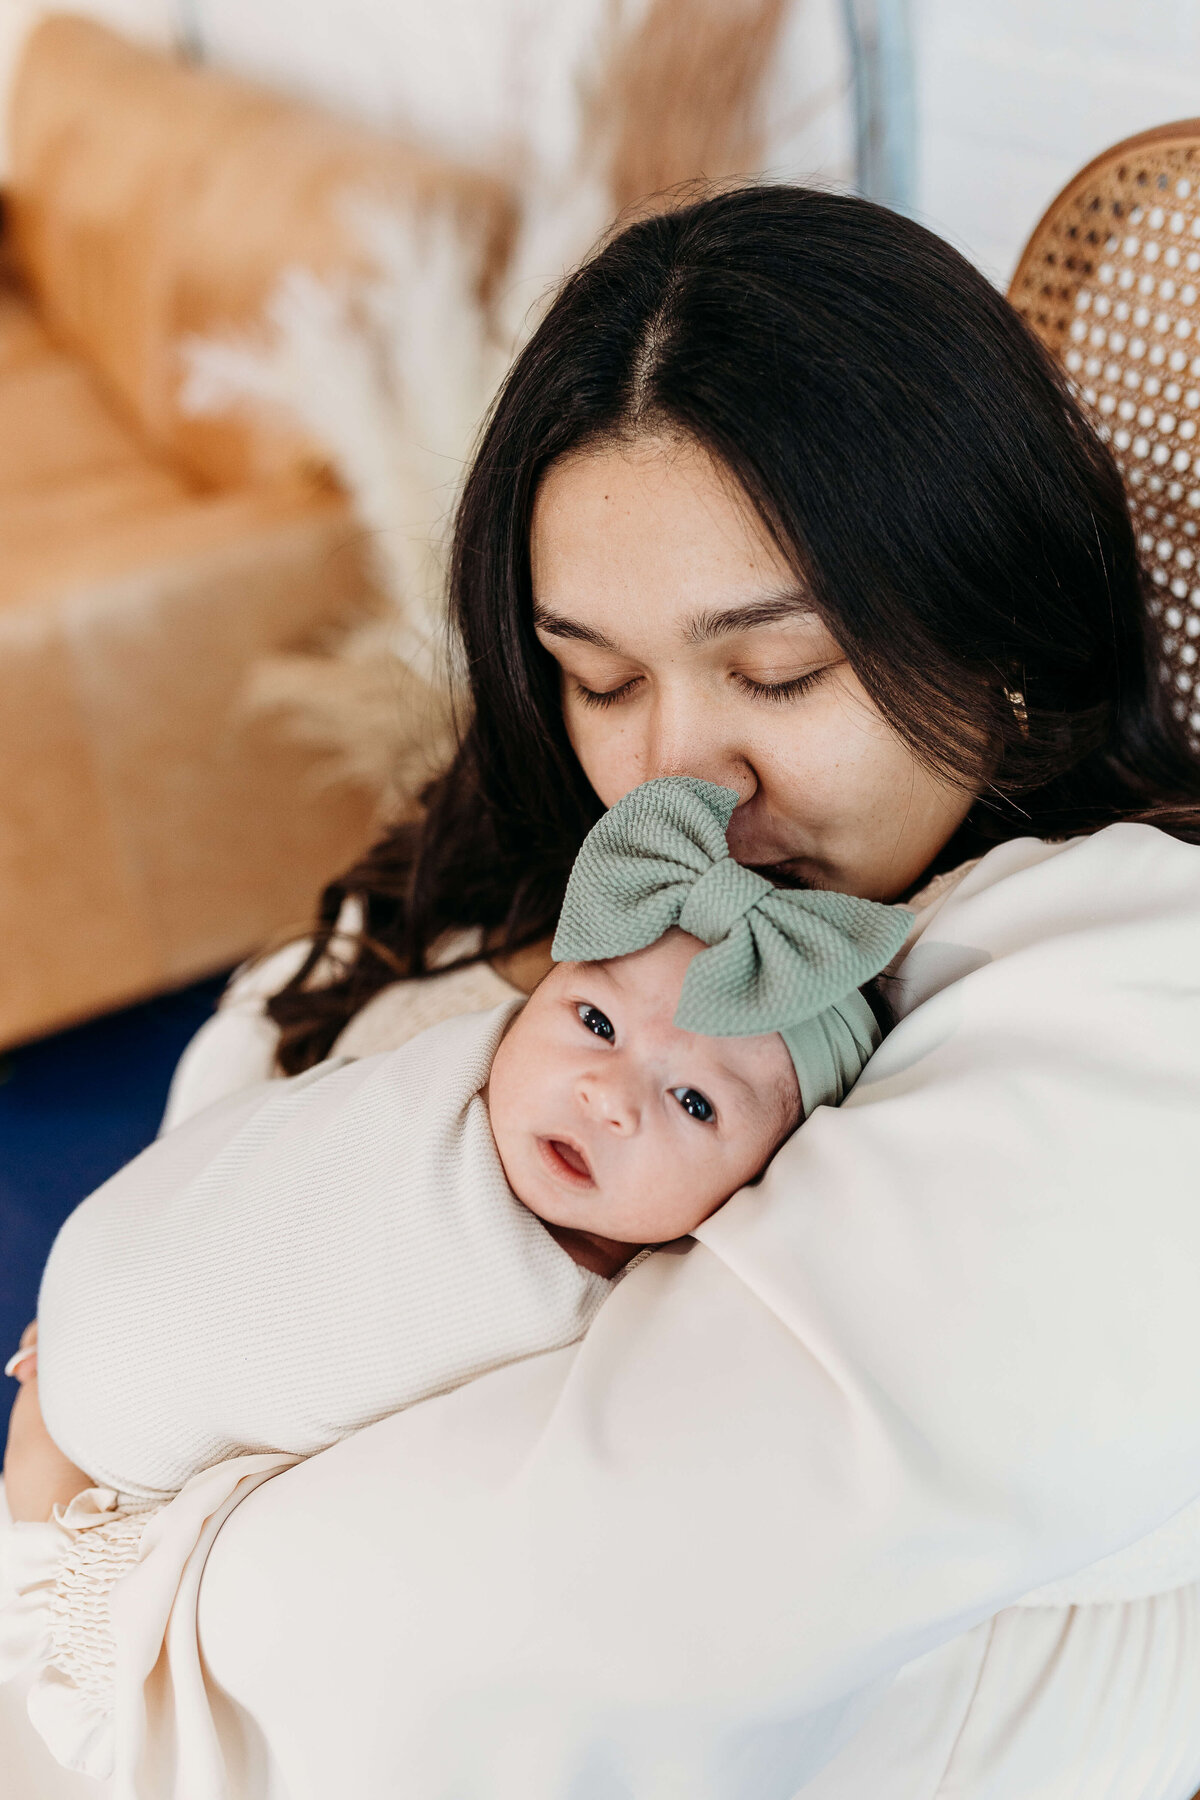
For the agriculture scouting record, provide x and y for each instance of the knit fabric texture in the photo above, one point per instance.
(351, 1247)
(779, 959)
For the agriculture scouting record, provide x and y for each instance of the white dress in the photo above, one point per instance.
(766, 1531)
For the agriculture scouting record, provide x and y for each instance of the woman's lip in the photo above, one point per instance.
(795, 870)
(760, 841)
(552, 1155)
(792, 871)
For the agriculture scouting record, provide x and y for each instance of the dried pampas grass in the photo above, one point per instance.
(679, 98)
(391, 371)
(377, 724)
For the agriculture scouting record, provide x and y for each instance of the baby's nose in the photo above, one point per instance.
(607, 1101)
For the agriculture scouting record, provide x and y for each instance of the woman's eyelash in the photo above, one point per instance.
(780, 691)
(607, 696)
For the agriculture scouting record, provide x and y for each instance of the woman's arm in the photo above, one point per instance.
(236, 1048)
(948, 1349)
(37, 1476)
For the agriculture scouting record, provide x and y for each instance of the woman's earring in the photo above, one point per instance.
(1016, 700)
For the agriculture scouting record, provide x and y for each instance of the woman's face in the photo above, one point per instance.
(687, 648)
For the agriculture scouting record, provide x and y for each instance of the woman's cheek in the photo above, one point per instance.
(837, 743)
(611, 750)
(801, 763)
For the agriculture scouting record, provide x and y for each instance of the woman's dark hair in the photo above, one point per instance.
(920, 461)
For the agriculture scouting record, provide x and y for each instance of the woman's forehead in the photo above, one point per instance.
(661, 523)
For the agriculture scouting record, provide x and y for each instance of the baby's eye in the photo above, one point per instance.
(695, 1105)
(595, 1021)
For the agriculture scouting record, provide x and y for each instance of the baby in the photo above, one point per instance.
(618, 1128)
(303, 1260)
(742, 1039)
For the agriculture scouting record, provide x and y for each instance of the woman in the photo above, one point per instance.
(783, 495)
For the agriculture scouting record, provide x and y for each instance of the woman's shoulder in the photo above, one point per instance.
(1129, 869)
(236, 1048)
(401, 1010)
(1089, 905)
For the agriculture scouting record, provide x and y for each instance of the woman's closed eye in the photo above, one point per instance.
(596, 1021)
(780, 691)
(695, 1105)
(602, 697)
(775, 692)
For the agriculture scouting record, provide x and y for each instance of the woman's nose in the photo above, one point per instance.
(685, 737)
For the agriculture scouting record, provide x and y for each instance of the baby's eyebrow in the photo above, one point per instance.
(749, 1091)
(773, 1097)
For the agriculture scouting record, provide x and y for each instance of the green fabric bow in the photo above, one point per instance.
(789, 960)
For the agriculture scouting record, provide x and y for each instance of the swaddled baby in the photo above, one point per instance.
(371, 1233)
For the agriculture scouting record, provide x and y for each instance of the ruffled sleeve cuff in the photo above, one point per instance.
(56, 1581)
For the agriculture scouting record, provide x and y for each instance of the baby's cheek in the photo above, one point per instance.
(727, 1175)
(696, 1183)
(505, 1095)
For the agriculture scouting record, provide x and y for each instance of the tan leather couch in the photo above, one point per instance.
(151, 827)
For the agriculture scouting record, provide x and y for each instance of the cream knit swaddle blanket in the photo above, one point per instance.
(352, 1249)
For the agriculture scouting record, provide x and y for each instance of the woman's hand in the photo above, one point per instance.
(37, 1476)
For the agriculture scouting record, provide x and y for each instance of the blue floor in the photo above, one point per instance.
(72, 1110)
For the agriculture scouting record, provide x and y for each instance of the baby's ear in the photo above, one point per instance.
(789, 1131)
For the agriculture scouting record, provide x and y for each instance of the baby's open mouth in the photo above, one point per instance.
(566, 1161)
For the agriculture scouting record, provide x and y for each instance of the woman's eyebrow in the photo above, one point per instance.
(770, 610)
(554, 625)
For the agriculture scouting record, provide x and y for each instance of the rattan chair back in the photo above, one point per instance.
(1110, 281)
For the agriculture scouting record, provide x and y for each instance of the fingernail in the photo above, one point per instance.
(18, 1357)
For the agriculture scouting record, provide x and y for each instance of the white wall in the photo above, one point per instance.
(467, 76)
(490, 80)
(1014, 96)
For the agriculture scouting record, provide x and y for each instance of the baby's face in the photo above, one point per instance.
(610, 1120)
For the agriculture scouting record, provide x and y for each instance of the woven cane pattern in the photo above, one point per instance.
(1110, 281)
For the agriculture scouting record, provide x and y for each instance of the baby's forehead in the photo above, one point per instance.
(758, 1068)
(665, 960)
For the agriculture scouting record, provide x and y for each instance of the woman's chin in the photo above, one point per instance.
(797, 872)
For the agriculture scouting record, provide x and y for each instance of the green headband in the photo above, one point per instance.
(780, 959)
